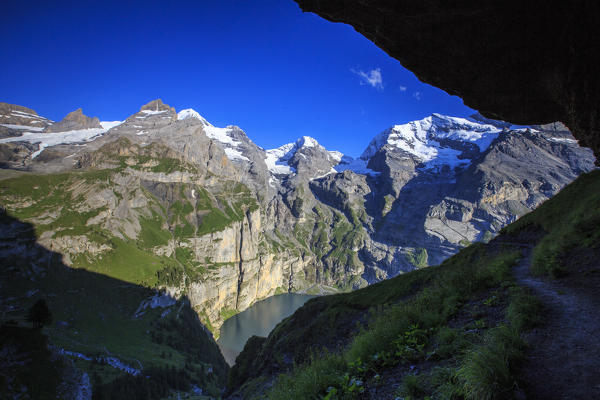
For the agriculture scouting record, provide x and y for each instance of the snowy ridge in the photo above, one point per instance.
(277, 159)
(307, 141)
(465, 130)
(427, 140)
(220, 135)
(24, 127)
(230, 146)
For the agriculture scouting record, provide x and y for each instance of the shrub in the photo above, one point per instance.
(39, 314)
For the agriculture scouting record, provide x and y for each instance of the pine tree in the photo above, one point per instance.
(39, 314)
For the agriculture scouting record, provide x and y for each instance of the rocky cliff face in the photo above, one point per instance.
(170, 201)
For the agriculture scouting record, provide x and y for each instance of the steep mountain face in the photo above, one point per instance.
(167, 200)
(446, 182)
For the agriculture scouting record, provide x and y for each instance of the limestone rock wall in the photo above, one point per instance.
(247, 273)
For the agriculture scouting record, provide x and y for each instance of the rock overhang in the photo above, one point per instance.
(530, 62)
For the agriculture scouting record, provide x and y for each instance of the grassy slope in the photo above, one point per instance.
(571, 220)
(415, 319)
(452, 331)
(53, 193)
(131, 261)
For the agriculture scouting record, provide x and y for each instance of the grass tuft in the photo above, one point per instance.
(487, 371)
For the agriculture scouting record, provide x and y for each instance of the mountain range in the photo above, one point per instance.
(229, 222)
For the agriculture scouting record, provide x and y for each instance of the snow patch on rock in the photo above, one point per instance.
(110, 124)
(152, 112)
(234, 154)
(220, 134)
(277, 159)
(48, 139)
(357, 165)
(24, 127)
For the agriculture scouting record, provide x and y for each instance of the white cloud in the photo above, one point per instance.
(402, 88)
(417, 95)
(372, 78)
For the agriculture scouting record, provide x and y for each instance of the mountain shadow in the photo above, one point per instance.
(129, 341)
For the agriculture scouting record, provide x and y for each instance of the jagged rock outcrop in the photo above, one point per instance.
(74, 120)
(524, 62)
(16, 155)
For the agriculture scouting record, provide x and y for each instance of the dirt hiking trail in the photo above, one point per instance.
(563, 357)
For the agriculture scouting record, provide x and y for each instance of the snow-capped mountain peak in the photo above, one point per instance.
(307, 141)
(191, 113)
(436, 140)
(280, 161)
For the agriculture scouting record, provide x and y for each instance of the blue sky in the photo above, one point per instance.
(265, 66)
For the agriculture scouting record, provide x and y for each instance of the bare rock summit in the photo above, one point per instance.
(74, 120)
